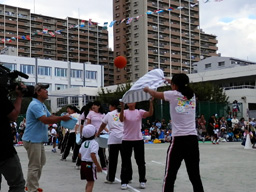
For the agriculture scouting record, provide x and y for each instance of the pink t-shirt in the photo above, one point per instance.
(182, 113)
(96, 119)
(132, 124)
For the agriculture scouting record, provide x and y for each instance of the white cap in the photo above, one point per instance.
(54, 125)
(89, 131)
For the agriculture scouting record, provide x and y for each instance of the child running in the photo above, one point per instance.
(88, 155)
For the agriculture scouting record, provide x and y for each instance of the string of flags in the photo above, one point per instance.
(128, 20)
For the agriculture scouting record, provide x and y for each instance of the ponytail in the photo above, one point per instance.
(182, 81)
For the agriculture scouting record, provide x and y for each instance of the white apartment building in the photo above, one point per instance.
(66, 77)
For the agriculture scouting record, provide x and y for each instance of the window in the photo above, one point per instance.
(10, 66)
(62, 101)
(60, 86)
(91, 75)
(74, 73)
(28, 69)
(47, 71)
(60, 72)
(74, 100)
(221, 64)
(136, 35)
(209, 65)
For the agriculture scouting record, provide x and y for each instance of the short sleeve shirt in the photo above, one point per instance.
(36, 131)
(87, 148)
(182, 113)
(96, 119)
(132, 124)
(115, 126)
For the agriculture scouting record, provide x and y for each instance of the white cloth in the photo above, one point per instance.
(153, 79)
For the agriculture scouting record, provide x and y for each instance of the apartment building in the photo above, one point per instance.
(168, 39)
(46, 37)
(219, 63)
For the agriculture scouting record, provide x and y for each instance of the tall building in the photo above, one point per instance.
(45, 37)
(168, 39)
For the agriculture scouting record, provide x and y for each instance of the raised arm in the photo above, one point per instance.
(121, 117)
(149, 113)
(153, 93)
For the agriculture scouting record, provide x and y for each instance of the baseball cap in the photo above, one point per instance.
(54, 125)
(40, 86)
(89, 131)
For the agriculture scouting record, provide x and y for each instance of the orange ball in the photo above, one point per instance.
(120, 62)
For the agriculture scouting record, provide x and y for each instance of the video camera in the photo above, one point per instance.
(8, 81)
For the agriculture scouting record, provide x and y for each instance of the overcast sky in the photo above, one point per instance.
(232, 21)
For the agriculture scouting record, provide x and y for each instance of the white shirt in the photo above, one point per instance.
(87, 148)
(115, 126)
(182, 113)
(234, 122)
(53, 133)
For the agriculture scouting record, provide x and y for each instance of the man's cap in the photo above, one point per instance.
(54, 125)
(89, 131)
(40, 86)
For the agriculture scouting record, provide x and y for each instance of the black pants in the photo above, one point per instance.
(75, 154)
(126, 172)
(103, 158)
(64, 142)
(114, 150)
(70, 143)
(183, 147)
(12, 172)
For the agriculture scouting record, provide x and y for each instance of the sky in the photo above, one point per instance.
(232, 21)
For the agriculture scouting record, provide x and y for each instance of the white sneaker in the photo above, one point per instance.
(109, 182)
(77, 167)
(124, 186)
(142, 185)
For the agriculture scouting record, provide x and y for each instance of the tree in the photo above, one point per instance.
(209, 92)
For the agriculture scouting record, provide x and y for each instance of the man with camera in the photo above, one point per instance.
(36, 134)
(10, 166)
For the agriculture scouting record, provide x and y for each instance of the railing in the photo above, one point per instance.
(240, 87)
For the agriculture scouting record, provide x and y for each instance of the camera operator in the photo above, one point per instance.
(36, 134)
(10, 166)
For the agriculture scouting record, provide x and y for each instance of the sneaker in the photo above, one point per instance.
(39, 189)
(54, 150)
(77, 167)
(142, 185)
(124, 186)
(62, 159)
(109, 182)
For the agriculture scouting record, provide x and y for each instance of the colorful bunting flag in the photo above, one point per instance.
(45, 31)
(13, 38)
(23, 37)
(52, 34)
(149, 12)
(90, 22)
(2, 40)
(8, 40)
(82, 23)
(129, 20)
(105, 27)
(159, 11)
(58, 32)
(28, 37)
(170, 8)
(112, 23)
(122, 20)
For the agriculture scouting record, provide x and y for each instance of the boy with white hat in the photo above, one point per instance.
(88, 155)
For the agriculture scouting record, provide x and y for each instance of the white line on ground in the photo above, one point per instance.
(118, 180)
(159, 163)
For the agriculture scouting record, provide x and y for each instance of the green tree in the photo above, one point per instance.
(209, 92)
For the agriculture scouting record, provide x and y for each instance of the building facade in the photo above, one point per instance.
(170, 40)
(219, 63)
(45, 37)
(58, 74)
